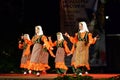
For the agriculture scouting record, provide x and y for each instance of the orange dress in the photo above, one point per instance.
(62, 49)
(25, 59)
(39, 56)
(81, 43)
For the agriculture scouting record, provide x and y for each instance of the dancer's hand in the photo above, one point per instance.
(51, 48)
(69, 54)
(97, 37)
(49, 38)
(67, 35)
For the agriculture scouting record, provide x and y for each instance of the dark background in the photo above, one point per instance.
(113, 35)
(20, 16)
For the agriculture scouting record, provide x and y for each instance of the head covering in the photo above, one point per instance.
(60, 35)
(26, 36)
(40, 30)
(84, 27)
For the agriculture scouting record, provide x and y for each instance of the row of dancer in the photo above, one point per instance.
(37, 59)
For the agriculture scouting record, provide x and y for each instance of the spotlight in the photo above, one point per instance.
(107, 17)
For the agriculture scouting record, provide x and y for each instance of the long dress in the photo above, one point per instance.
(62, 50)
(25, 59)
(81, 42)
(39, 57)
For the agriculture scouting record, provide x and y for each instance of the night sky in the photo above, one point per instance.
(21, 16)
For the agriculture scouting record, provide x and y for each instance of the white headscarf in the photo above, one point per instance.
(40, 30)
(26, 36)
(61, 36)
(85, 28)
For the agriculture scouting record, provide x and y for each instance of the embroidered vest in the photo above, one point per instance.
(60, 44)
(85, 38)
(39, 40)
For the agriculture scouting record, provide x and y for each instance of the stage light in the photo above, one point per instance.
(107, 17)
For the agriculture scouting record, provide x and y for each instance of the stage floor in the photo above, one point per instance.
(49, 76)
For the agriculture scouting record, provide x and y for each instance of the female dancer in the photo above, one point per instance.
(81, 43)
(25, 44)
(39, 55)
(62, 49)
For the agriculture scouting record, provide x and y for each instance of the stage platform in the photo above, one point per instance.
(50, 76)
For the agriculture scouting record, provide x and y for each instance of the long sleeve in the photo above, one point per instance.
(27, 50)
(44, 39)
(73, 48)
(48, 45)
(73, 39)
(29, 42)
(91, 39)
(66, 47)
(20, 46)
(51, 53)
(53, 43)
